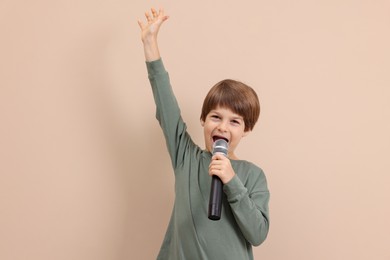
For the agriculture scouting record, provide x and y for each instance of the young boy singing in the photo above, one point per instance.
(230, 111)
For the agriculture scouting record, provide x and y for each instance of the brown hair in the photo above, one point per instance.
(236, 96)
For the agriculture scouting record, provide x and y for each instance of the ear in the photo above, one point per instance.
(201, 122)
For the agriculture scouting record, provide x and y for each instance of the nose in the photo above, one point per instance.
(223, 126)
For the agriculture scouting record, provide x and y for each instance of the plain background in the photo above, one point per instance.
(85, 174)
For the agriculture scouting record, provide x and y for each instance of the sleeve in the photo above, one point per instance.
(250, 207)
(168, 112)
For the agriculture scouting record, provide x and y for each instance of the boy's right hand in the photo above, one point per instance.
(150, 30)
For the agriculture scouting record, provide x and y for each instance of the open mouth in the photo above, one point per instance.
(216, 137)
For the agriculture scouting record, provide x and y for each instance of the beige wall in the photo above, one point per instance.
(84, 170)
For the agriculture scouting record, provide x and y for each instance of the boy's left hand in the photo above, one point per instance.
(220, 166)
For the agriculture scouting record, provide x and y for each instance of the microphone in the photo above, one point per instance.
(215, 203)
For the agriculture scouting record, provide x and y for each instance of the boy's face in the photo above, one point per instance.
(223, 123)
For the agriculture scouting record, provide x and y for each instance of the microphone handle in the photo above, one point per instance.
(215, 202)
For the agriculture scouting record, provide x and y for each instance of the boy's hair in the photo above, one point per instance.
(236, 96)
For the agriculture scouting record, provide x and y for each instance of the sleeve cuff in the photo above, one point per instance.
(234, 189)
(155, 67)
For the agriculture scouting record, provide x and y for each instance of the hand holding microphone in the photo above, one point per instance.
(220, 168)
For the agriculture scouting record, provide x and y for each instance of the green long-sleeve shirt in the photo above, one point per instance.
(191, 235)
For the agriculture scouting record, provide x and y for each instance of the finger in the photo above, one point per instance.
(141, 25)
(213, 164)
(218, 156)
(147, 15)
(162, 15)
(216, 164)
(154, 12)
(161, 12)
(164, 18)
(213, 172)
(217, 173)
(215, 168)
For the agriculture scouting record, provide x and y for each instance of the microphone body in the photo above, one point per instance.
(215, 201)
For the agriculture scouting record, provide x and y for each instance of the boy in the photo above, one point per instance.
(230, 111)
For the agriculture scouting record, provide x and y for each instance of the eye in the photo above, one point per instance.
(215, 117)
(236, 122)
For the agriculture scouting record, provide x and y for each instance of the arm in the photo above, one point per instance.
(149, 32)
(167, 108)
(249, 204)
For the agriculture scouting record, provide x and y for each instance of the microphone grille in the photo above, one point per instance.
(220, 146)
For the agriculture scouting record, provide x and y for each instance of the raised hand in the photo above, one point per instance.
(150, 29)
